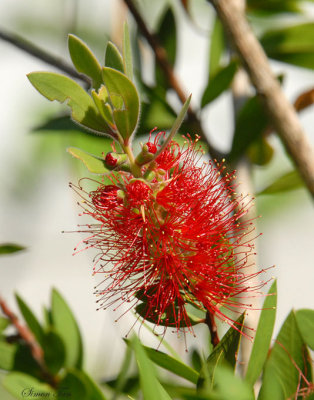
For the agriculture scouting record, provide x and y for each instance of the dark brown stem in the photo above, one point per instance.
(282, 113)
(42, 55)
(211, 323)
(25, 334)
(162, 60)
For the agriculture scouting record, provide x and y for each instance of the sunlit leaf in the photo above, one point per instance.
(94, 164)
(84, 60)
(23, 386)
(305, 321)
(216, 49)
(7, 355)
(263, 336)
(127, 53)
(63, 89)
(126, 118)
(113, 58)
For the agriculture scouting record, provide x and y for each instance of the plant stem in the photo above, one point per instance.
(211, 323)
(281, 111)
(135, 169)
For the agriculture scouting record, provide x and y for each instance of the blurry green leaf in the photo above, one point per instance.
(281, 376)
(171, 364)
(59, 123)
(260, 152)
(150, 386)
(305, 321)
(119, 85)
(7, 354)
(94, 164)
(113, 57)
(216, 49)
(289, 181)
(8, 248)
(73, 386)
(263, 336)
(219, 82)
(250, 124)
(4, 323)
(292, 44)
(24, 386)
(65, 325)
(84, 60)
(121, 380)
(269, 7)
(167, 37)
(30, 319)
(127, 53)
(94, 391)
(224, 353)
(196, 360)
(24, 361)
(130, 386)
(54, 351)
(63, 89)
(229, 386)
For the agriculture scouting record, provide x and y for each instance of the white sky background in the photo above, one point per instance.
(37, 219)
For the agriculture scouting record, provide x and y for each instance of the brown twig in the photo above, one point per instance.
(284, 117)
(41, 54)
(25, 334)
(211, 323)
(162, 60)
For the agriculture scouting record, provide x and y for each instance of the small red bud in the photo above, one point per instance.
(152, 148)
(110, 160)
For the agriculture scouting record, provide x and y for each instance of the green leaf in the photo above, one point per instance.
(94, 164)
(281, 376)
(54, 351)
(101, 100)
(260, 152)
(24, 361)
(30, 319)
(84, 60)
(219, 82)
(63, 89)
(171, 364)
(65, 325)
(289, 181)
(94, 391)
(270, 7)
(224, 353)
(79, 386)
(263, 336)
(113, 57)
(292, 44)
(126, 118)
(7, 355)
(250, 124)
(8, 248)
(121, 380)
(305, 321)
(217, 45)
(167, 37)
(127, 53)
(24, 386)
(230, 386)
(4, 323)
(151, 387)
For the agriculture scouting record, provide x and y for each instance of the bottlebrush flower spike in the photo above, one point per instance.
(177, 239)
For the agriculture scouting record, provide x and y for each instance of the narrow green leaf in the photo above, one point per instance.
(54, 351)
(84, 60)
(94, 391)
(171, 364)
(305, 321)
(101, 100)
(151, 387)
(127, 53)
(66, 326)
(250, 124)
(263, 336)
(94, 164)
(167, 37)
(7, 354)
(230, 386)
(272, 7)
(8, 248)
(126, 118)
(216, 49)
(292, 44)
(224, 353)
(122, 377)
(281, 376)
(4, 323)
(289, 181)
(73, 386)
(63, 89)
(30, 319)
(24, 386)
(219, 82)
(113, 58)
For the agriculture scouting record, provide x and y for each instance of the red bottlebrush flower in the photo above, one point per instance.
(185, 245)
(152, 148)
(111, 160)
